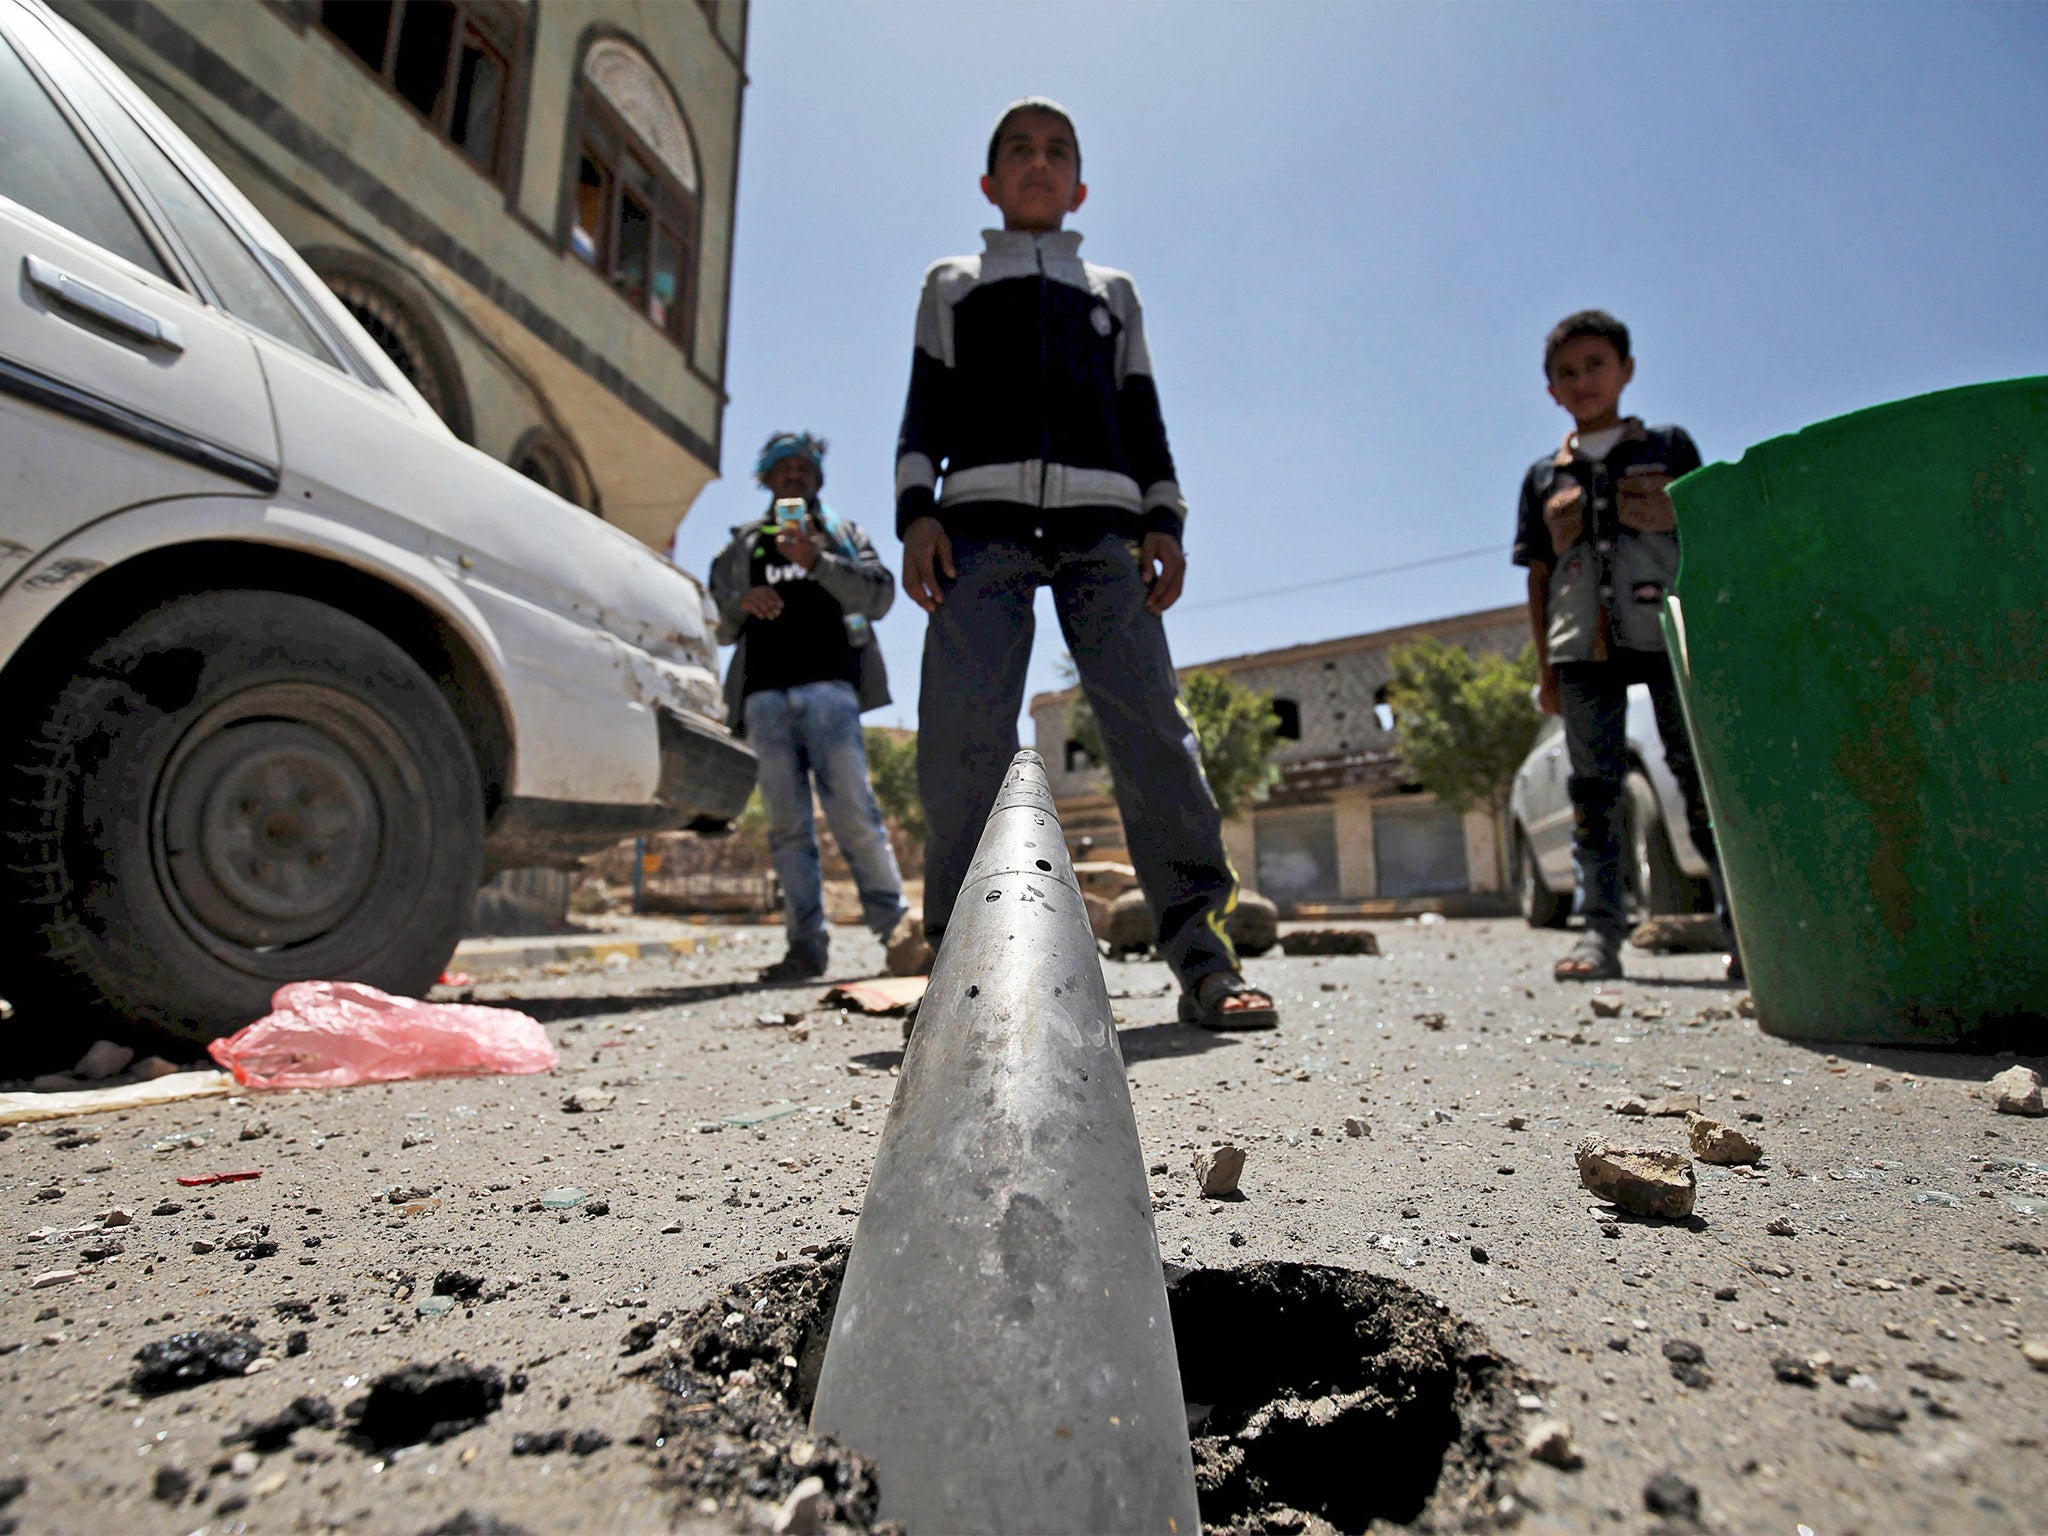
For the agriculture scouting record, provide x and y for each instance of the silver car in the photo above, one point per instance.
(1663, 871)
(289, 668)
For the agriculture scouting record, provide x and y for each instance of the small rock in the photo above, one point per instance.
(150, 1068)
(805, 1510)
(50, 1277)
(116, 1218)
(54, 1082)
(1478, 1254)
(1218, 1169)
(427, 1402)
(275, 1432)
(244, 1464)
(1793, 1371)
(1780, 1227)
(170, 1485)
(255, 1131)
(2017, 1091)
(166, 1208)
(1635, 1109)
(404, 1195)
(1517, 1123)
(1675, 1106)
(907, 953)
(413, 1139)
(1355, 1125)
(1688, 1362)
(1604, 1007)
(1713, 1142)
(1874, 1418)
(2036, 1353)
(201, 1245)
(188, 1359)
(104, 1058)
(1550, 1441)
(1431, 1020)
(586, 1101)
(1671, 1496)
(1725, 1293)
(1329, 941)
(1648, 1181)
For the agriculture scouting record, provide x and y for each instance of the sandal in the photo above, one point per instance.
(1204, 1006)
(1596, 957)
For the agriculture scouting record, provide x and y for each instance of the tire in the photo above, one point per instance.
(238, 789)
(1541, 906)
(1655, 883)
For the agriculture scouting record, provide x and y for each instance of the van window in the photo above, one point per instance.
(48, 171)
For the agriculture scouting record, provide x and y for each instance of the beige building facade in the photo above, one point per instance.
(1345, 830)
(529, 203)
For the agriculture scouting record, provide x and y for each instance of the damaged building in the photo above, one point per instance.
(1345, 830)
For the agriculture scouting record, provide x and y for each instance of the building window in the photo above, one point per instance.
(546, 456)
(633, 201)
(450, 59)
(1078, 760)
(1382, 710)
(1288, 713)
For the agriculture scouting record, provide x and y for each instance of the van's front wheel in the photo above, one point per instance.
(237, 790)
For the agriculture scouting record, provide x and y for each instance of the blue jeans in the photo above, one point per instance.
(976, 650)
(812, 733)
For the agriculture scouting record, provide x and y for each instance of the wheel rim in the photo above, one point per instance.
(275, 815)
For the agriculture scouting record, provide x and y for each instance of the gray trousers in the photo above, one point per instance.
(976, 649)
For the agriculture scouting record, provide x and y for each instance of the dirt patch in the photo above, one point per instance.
(733, 1424)
(1319, 1398)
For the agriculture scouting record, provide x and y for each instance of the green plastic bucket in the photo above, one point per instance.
(1860, 632)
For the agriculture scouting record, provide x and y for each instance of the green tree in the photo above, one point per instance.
(1465, 721)
(892, 770)
(1234, 725)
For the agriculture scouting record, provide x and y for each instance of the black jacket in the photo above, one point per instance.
(864, 589)
(1031, 387)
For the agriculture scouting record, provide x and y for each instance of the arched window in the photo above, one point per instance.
(545, 455)
(633, 201)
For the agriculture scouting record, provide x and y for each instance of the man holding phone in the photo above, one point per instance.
(797, 594)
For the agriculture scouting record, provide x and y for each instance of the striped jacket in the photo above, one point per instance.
(1031, 387)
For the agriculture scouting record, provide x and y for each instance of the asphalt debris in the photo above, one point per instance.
(190, 1359)
(430, 1403)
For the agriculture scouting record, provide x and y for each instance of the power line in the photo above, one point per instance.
(1331, 581)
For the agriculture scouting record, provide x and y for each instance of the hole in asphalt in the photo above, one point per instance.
(1338, 1395)
(1317, 1396)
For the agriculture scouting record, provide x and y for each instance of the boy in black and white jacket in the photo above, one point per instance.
(1033, 454)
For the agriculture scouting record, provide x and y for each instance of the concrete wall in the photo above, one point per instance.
(541, 344)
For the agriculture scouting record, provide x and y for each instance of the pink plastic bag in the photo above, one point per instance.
(335, 1034)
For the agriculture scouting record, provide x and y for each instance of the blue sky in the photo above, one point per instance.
(1353, 224)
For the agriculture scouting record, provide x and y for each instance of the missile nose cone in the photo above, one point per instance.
(1002, 1345)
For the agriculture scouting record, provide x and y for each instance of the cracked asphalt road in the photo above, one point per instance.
(1914, 1265)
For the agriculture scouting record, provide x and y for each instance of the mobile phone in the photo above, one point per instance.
(789, 513)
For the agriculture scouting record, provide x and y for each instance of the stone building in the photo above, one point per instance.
(529, 203)
(1345, 830)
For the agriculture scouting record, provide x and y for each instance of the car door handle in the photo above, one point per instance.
(80, 297)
